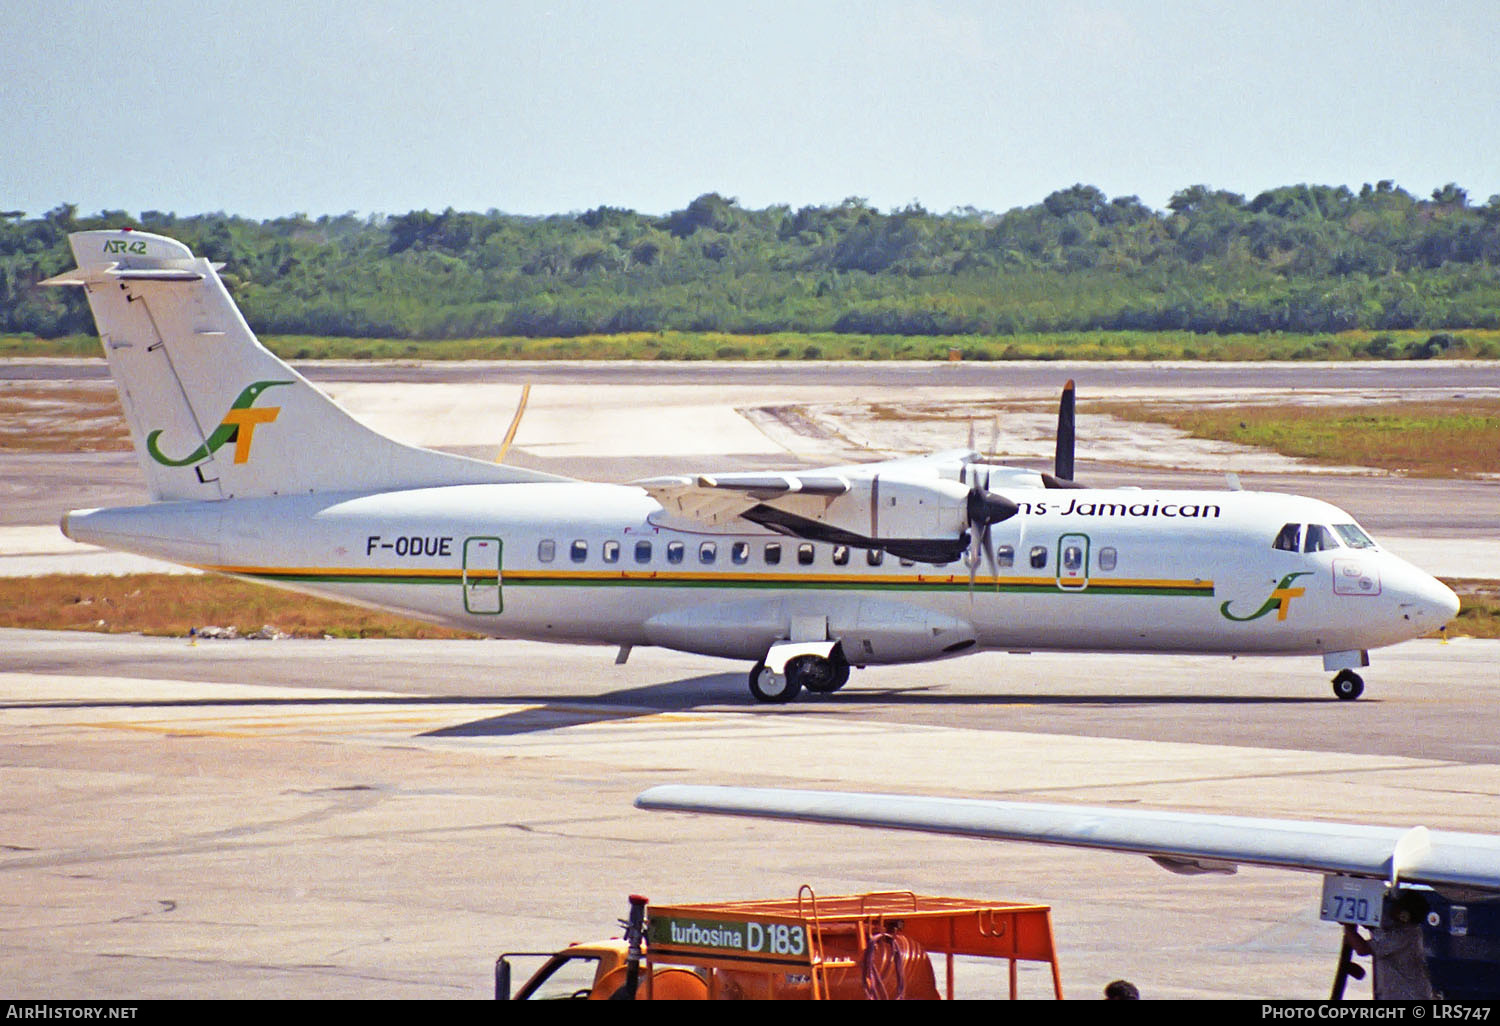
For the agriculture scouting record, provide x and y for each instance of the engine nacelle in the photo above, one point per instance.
(923, 520)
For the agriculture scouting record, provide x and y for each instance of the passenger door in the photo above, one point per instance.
(481, 580)
(1073, 562)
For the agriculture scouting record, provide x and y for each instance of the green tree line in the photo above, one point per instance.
(1301, 258)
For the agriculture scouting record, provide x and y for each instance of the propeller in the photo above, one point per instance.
(985, 508)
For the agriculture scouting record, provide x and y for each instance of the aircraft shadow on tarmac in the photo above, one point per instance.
(719, 691)
(715, 691)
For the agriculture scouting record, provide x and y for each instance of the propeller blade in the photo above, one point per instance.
(985, 508)
(973, 559)
(1063, 464)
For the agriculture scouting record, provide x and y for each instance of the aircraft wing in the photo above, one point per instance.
(715, 498)
(1179, 841)
(922, 508)
(718, 498)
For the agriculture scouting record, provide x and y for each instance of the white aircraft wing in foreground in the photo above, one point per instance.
(1373, 876)
(1180, 841)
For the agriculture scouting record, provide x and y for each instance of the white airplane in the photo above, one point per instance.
(257, 474)
(1368, 871)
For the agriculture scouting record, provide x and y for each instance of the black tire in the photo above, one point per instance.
(764, 685)
(1348, 685)
(814, 673)
(826, 683)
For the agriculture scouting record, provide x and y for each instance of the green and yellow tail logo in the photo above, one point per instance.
(1280, 600)
(238, 426)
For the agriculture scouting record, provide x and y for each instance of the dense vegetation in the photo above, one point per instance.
(1294, 259)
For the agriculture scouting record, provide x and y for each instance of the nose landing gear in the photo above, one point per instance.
(1348, 685)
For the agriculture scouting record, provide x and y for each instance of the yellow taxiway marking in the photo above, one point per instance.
(361, 719)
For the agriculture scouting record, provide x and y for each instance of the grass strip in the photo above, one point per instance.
(1445, 438)
(170, 605)
(1482, 343)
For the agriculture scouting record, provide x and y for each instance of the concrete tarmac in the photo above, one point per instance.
(380, 819)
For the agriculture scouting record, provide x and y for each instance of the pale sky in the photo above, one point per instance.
(283, 106)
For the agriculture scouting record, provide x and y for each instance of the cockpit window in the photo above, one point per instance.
(1289, 538)
(1353, 536)
(1319, 538)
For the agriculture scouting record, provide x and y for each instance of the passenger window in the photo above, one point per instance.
(1005, 555)
(773, 553)
(546, 551)
(579, 552)
(1107, 558)
(675, 552)
(643, 551)
(1038, 557)
(1289, 538)
(708, 552)
(1353, 536)
(841, 555)
(739, 553)
(1319, 538)
(610, 550)
(805, 554)
(874, 557)
(1072, 557)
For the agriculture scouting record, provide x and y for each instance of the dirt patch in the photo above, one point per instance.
(172, 605)
(45, 416)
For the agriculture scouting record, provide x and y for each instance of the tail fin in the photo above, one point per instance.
(213, 413)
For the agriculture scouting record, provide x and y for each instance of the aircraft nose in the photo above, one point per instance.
(1432, 602)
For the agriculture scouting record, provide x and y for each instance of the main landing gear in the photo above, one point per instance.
(1348, 685)
(821, 675)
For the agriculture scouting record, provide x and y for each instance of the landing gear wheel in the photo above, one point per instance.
(1348, 685)
(813, 673)
(767, 686)
(827, 676)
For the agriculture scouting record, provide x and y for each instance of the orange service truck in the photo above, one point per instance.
(852, 947)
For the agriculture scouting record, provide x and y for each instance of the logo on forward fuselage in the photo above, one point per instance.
(238, 426)
(1280, 600)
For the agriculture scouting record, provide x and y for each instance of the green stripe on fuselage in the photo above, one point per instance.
(522, 579)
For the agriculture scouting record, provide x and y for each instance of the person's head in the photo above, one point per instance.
(1121, 990)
